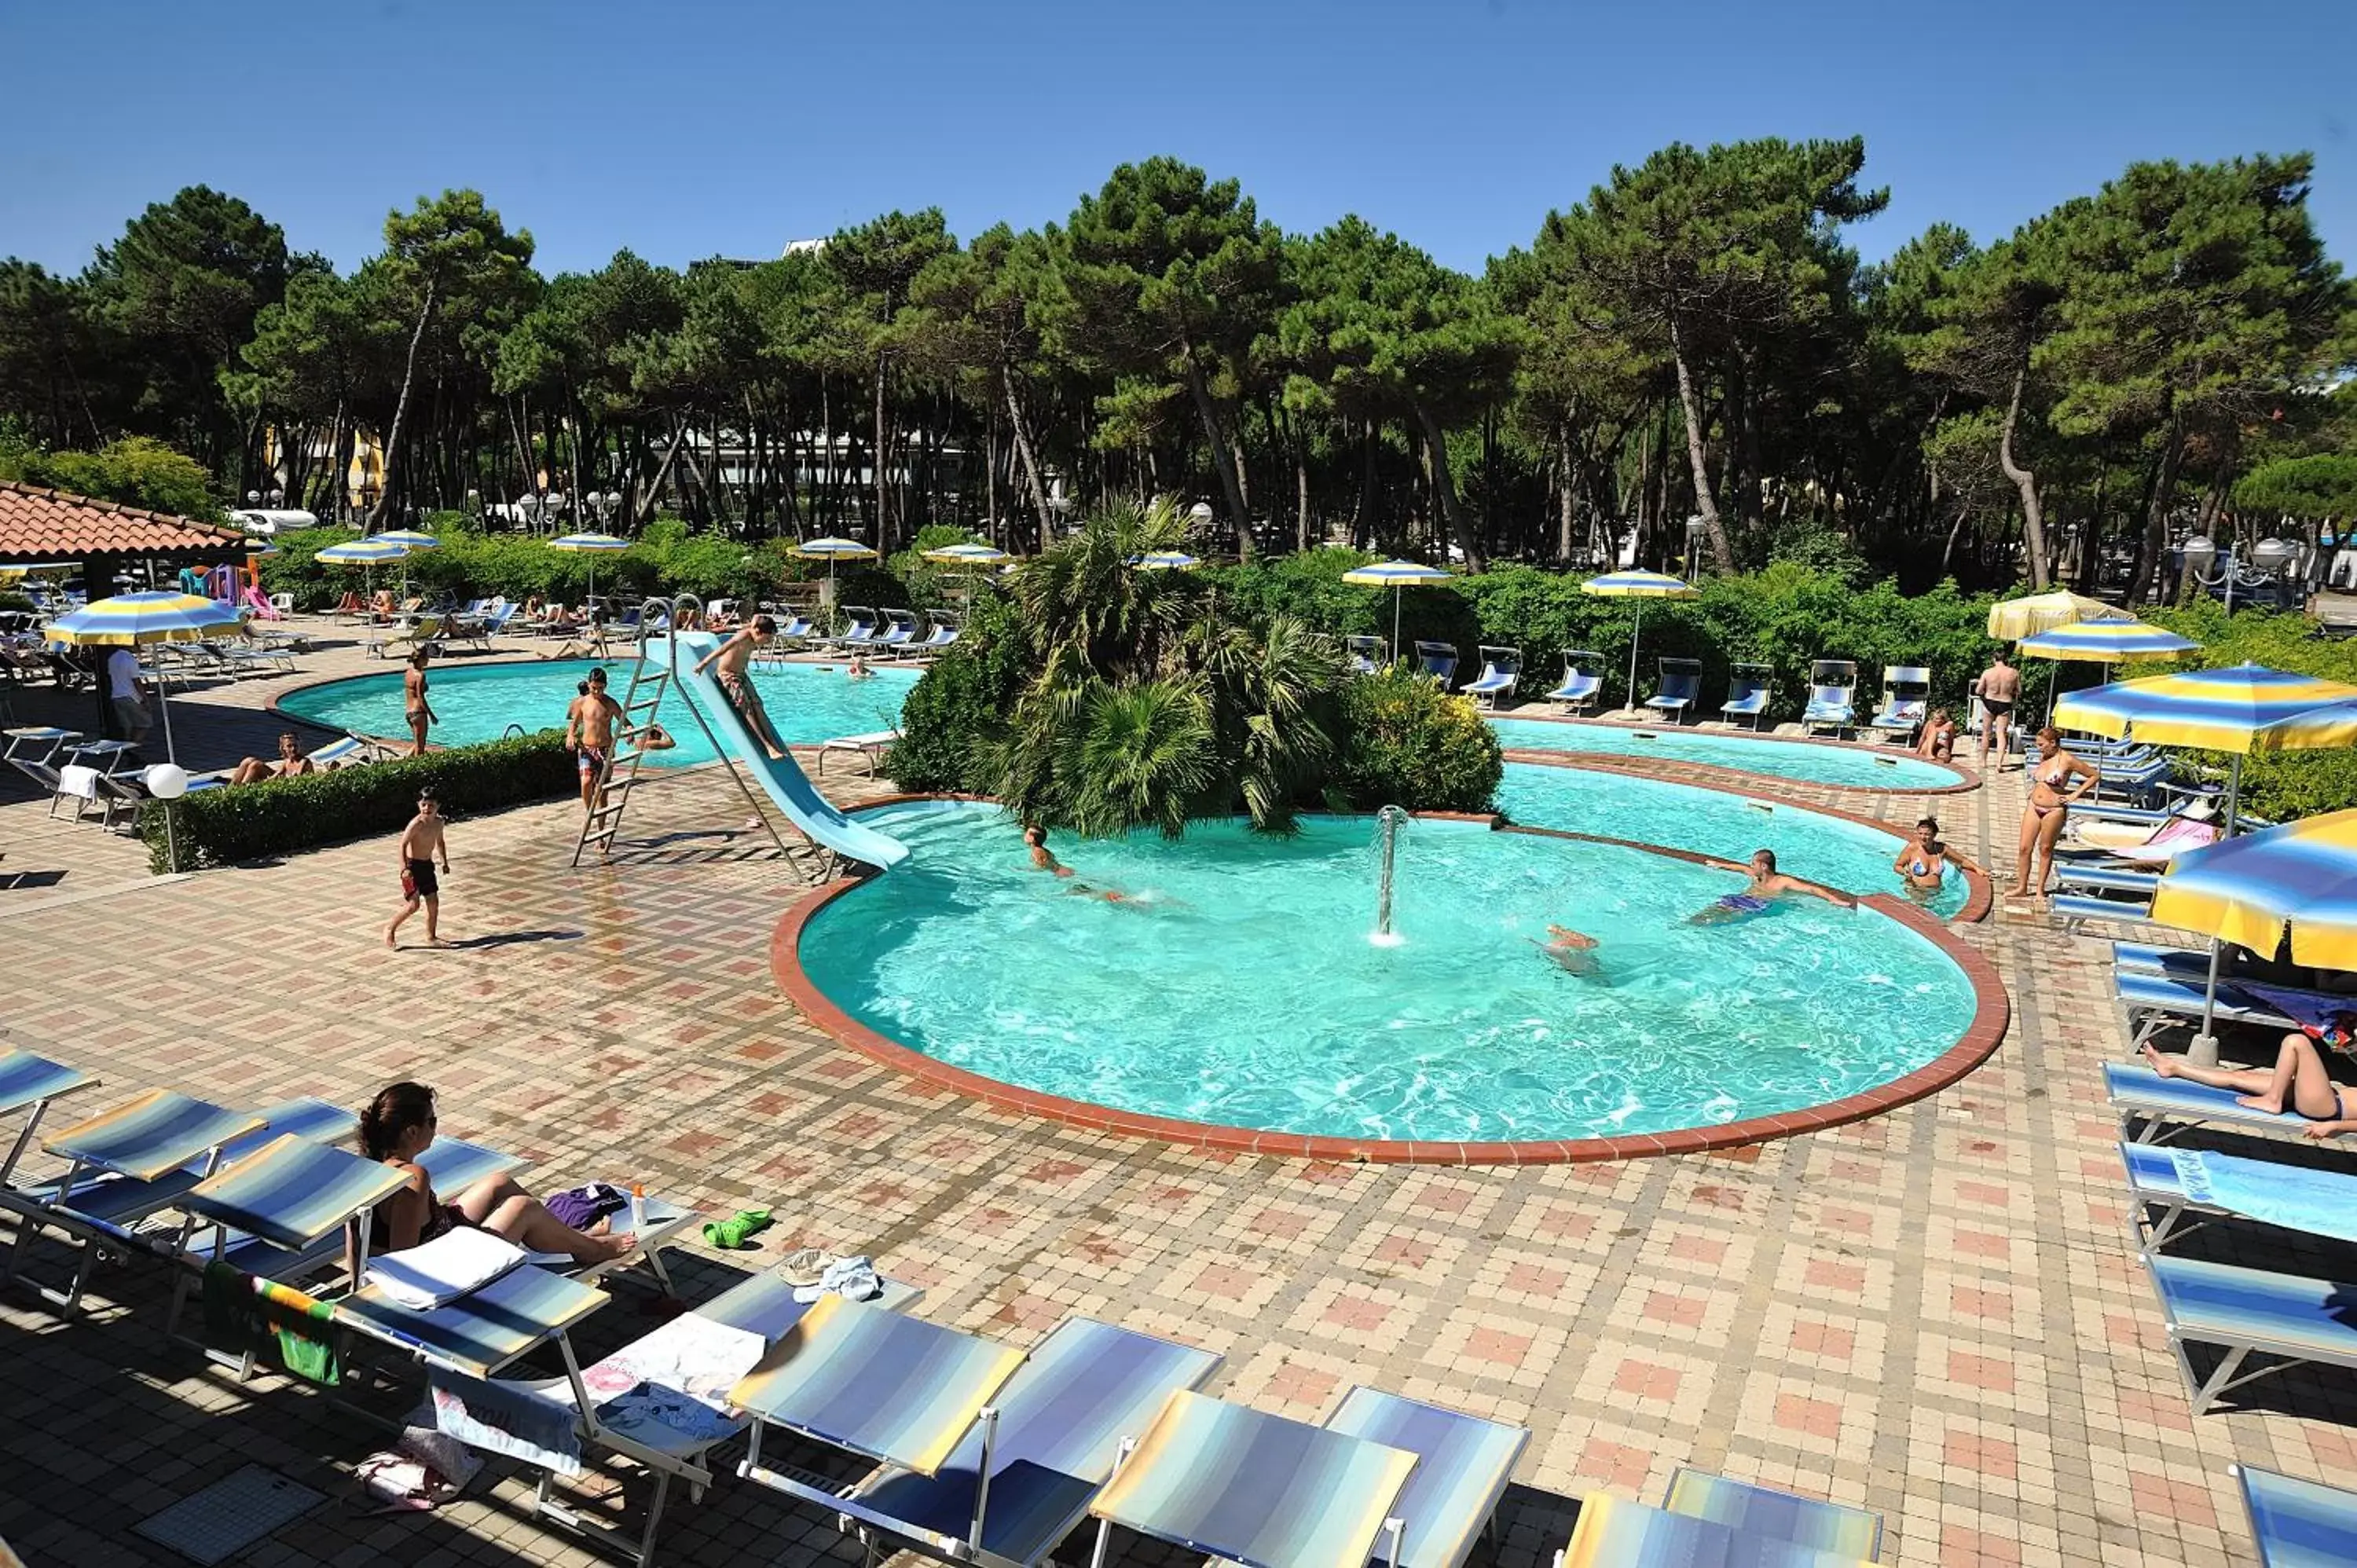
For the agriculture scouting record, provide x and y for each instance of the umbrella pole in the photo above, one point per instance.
(1636, 635)
(163, 706)
(2203, 1051)
(1395, 622)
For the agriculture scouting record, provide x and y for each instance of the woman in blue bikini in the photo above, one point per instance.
(2298, 1083)
(1767, 886)
(2050, 808)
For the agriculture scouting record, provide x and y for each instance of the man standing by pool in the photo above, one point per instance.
(1999, 687)
(733, 657)
(589, 735)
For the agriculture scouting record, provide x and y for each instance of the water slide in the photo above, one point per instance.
(783, 781)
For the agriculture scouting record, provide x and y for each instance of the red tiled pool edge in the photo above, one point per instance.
(1992, 1012)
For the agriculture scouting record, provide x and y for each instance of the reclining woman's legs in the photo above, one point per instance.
(2296, 1083)
(498, 1205)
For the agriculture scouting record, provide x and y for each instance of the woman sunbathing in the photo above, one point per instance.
(397, 1127)
(2298, 1083)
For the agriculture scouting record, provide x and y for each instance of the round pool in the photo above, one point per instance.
(808, 703)
(1840, 853)
(1801, 761)
(1234, 981)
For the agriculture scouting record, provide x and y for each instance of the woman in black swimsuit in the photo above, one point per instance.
(397, 1127)
(2298, 1083)
(2049, 808)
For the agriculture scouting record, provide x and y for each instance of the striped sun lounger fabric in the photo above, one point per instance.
(2289, 1319)
(145, 1137)
(1463, 1463)
(1061, 1420)
(480, 1334)
(2135, 1089)
(2293, 1198)
(880, 1383)
(291, 1192)
(1614, 1533)
(2299, 1524)
(25, 1079)
(1850, 1533)
(1256, 1489)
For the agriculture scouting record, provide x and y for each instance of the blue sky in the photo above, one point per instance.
(701, 127)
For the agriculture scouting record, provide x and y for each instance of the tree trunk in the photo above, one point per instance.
(1450, 515)
(876, 467)
(2155, 541)
(1301, 495)
(1722, 551)
(2033, 519)
(1021, 428)
(1566, 517)
(1223, 457)
(401, 413)
(645, 509)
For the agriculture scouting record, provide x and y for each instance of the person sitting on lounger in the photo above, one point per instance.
(1574, 953)
(1924, 861)
(732, 657)
(2298, 1083)
(1767, 888)
(397, 1127)
(291, 763)
(1938, 741)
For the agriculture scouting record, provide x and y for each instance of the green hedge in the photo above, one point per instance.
(666, 559)
(280, 816)
(1405, 744)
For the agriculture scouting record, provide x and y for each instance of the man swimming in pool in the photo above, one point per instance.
(1768, 886)
(1034, 838)
(1574, 953)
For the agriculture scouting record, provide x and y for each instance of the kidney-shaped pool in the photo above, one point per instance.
(1232, 980)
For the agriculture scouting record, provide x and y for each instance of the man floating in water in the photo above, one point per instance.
(1034, 838)
(1574, 953)
(1768, 886)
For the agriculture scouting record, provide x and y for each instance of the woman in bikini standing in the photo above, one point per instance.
(415, 708)
(2049, 808)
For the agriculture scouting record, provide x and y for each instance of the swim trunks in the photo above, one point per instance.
(1743, 903)
(417, 879)
(591, 759)
(1997, 707)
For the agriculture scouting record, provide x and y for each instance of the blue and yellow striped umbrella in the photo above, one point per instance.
(592, 545)
(1168, 560)
(2017, 618)
(363, 553)
(1639, 586)
(2108, 642)
(1395, 576)
(162, 614)
(2243, 708)
(2300, 878)
(409, 539)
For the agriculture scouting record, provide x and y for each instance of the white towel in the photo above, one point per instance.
(457, 1263)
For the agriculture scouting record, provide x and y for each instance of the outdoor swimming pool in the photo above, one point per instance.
(1236, 985)
(1847, 767)
(808, 703)
(1811, 845)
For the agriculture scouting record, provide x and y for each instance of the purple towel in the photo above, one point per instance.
(585, 1206)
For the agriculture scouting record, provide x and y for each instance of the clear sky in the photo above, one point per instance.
(691, 128)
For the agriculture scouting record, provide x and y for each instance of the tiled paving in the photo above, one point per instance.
(1935, 1313)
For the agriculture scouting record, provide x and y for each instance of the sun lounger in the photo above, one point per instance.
(1438, 661)
(2299, 1524)
(871, 747)
(858, 627)
(478, 1335)
(1581, 682)
(2166, 1106)
(1681, 684)
(2282, 1320)
(1060, 1425)
(1832, 696)
(28, 1084)
(1256, 1488)
(32, 752)
(1500, 667)
(1848, 1535)
(2107, 878)
(1463, 1463)
(2212, 1186)
(1366, 654)
(136, 1154)
(1747, 690)
(941, 637)
(2075, 910)
(1906, 695)
(899, 632)
(2155, 1002)
(1614, 1532)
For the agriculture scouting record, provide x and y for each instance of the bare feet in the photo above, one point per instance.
(2164, 1066)
(609, 1248)
(2266, 1103)
(389, 939)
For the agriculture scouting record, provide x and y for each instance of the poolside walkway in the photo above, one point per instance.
(1935, 1313)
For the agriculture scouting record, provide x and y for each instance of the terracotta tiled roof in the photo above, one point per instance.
(54, 525)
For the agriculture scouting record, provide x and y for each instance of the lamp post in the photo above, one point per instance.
(167, 781)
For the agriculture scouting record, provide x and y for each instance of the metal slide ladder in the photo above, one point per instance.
(650, 680)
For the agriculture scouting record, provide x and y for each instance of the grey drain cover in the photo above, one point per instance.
(217, 1523)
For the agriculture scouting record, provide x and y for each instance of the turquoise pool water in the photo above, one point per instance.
(808, 703)
(1236, 983)
(1848, 855)
(1851, 768)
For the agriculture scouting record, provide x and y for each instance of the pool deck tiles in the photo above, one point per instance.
(1934, 1312)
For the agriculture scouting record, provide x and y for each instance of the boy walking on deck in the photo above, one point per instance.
(421, 845)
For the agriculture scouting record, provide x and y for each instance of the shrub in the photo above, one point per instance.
(959, 703)
(1404, 743)
(280, 816)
